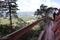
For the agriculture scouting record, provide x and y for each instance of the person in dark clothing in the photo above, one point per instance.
(54, 14)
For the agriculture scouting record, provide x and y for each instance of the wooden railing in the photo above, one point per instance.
(41, 36)
(15, 35)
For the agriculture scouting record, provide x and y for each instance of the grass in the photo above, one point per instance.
(24, 17)
(27, 17)
(34, 32)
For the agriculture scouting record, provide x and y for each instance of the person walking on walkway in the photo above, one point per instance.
(54, 14)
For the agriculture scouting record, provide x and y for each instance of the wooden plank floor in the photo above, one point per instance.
(49, 34)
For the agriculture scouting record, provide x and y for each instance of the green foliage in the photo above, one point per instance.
(45, 11)
(27, 17)
(13, 9)
(17, 24)
(4, 30)
(27, 35)
(32, 34)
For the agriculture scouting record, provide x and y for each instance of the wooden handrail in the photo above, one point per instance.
(41, 36)
(15, 35)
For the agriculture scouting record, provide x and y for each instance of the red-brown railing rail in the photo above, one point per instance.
(15, 35)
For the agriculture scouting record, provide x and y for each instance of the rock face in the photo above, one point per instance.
(56, 27)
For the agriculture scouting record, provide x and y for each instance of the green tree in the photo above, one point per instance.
(42, 11)
(12, 11)
(2, 8)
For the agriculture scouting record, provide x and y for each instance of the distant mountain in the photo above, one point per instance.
(25, 13)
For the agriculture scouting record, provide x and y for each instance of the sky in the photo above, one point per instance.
(32, 5)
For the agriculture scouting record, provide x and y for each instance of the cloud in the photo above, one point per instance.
(51, 3)
(32, 5)
(54, 4)
(28, 5)
(1, 0)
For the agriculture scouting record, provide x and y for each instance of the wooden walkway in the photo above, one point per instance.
(48, 35)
